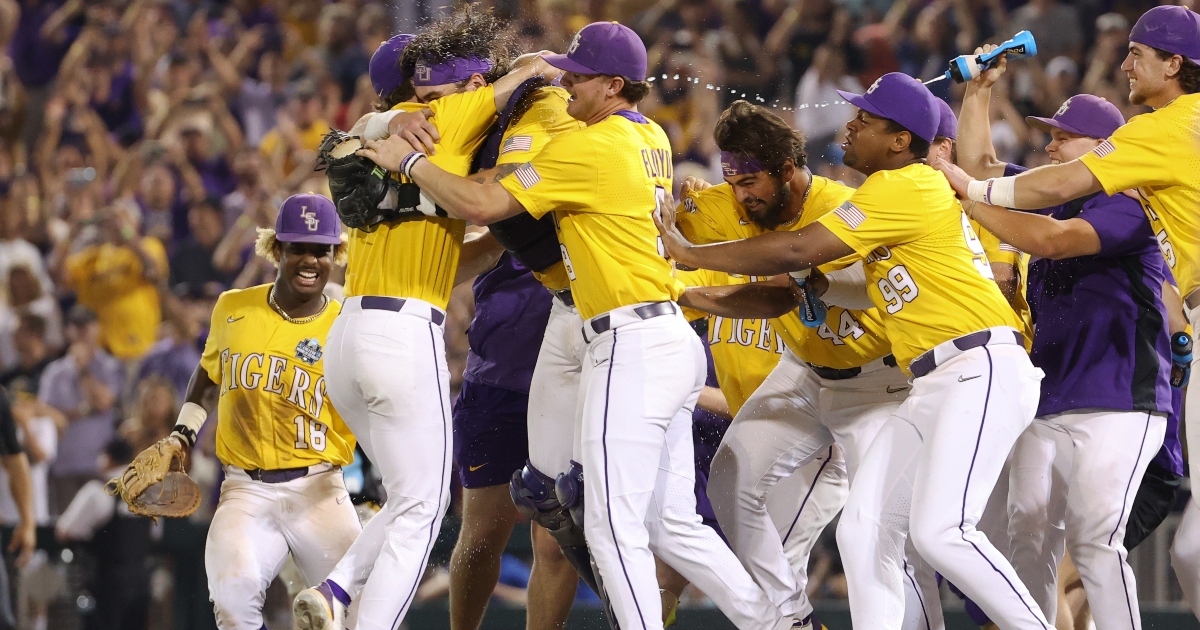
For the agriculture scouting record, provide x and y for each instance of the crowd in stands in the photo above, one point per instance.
(142, 142)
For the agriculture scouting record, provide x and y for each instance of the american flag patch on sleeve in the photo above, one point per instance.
(850, 213)
(517, 143)
(527, 175)
(1104, 149)
(1005, 247)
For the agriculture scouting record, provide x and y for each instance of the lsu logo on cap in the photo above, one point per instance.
(309, 351)
(874, 85)
(310, 219)
(1065, 106)
(574, 43)
(422, 71)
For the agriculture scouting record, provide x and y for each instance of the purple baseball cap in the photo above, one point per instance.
(308, 218)
(899, 97)
(604, 48)
(385, 64)
(1083, 114)
(1174, 29)
(947, 121)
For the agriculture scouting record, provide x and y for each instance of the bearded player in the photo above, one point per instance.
(602, 183)
(389, 376)
(281, 443)
(837, 382)
(974, 390)
(1155, 155)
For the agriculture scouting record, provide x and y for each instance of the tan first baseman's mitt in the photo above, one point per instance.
(155, 483)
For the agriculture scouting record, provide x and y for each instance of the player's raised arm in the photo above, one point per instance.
(976, 153)
(764, 255)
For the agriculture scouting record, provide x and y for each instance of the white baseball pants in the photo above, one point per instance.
(642, 379)
(386, 374)
(1185, 550)
(554, 392)
(937, 459)
(257, 524)
(1074, 477)
(792, 418)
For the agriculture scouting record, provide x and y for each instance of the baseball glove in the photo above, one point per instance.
(155, 483)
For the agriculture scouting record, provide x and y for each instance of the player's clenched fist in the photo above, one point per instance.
(988, 78)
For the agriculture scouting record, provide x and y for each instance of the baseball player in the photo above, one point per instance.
(742, 353)
(1149, 154)
(282, 444)
(1106, 397)
(388, 372)
(834, 382)
(973, 390)
(512, 305)
(642, 371)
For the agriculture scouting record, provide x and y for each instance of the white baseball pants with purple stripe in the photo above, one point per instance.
(641, 381)
(554, 392)
(929, 475)
(386, 374)
(779, 451)
(1073, 480)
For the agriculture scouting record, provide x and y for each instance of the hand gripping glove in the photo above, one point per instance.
(363, 192)
(155, 484)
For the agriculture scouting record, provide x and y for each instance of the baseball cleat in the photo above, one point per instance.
(317, 609)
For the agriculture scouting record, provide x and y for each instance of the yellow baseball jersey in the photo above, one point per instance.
(417, 257)
(847, 338)
(602, 183)
(998, 251)
(927, 273)
(1158, 154)
(273, 412)
(545, 119)
(110, 280)
(744, 351)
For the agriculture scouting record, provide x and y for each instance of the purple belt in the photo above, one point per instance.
(930, 359)
(280, 475)
(385, 303)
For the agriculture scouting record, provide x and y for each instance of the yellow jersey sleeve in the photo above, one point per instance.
(1158, 154)
(272, 410)
(927, 273)
(603, 183)
(545, 119)
(466, 118)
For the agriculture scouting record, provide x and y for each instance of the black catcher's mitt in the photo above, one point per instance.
(357, 184)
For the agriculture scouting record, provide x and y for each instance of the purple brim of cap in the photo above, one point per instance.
(563, 63)
(1045, 124)
(308, 238)
(860, 101)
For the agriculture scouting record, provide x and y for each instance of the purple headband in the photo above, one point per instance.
(735, 164)
(449, 71)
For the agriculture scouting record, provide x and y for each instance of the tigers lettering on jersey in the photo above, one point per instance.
(545, 119)
(272, 411)
(926, 269)
(848, 338)
(744, 350)
(417, 257)
(603, 182)
(1158, 154)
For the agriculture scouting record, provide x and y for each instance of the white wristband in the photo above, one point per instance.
(407, 162)
(191, 419)
(377, 125)
(998, 191)
(848, 288)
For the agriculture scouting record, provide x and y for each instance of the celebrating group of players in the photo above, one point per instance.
(896, 382)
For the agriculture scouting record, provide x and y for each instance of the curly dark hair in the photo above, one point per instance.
(467, 32)
(1189, 72)
(756, 131)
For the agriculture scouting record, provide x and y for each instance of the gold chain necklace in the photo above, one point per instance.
(302, 320)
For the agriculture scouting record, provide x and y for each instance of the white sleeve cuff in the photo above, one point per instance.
(848, 288)
(377, 125)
